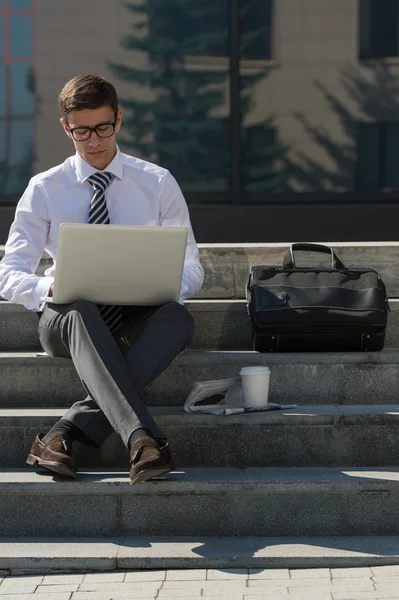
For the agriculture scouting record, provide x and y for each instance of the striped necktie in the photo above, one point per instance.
(98, 215)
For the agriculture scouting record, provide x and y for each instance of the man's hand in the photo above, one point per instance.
(50, 292)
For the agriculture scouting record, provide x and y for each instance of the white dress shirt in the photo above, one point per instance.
(141, 193)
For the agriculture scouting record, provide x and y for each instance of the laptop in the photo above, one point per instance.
(119, 264)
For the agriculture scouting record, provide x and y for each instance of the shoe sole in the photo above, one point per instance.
(148, 474)
(54, 467)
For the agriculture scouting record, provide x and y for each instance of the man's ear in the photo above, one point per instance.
(65, 126)
(119, 120)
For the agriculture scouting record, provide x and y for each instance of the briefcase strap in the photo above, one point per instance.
(289, 258)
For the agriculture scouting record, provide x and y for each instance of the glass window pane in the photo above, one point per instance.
(21, 89)
(391, 171)
(256, 29)
(368, 157)
(20, 4)
(365, 44)
(176, 109)
(262, 151)
(21, 43)
(18, 158)
(201, 28)
(2, 89)
(378, 29)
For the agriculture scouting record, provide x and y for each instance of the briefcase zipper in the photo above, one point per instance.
(319, 306)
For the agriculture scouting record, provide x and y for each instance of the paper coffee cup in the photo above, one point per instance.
(255, 386)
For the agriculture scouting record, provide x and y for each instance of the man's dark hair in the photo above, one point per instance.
(87, 91)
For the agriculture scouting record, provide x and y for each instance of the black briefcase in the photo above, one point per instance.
(318, 309)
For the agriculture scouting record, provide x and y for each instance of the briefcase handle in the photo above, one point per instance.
(289, 260)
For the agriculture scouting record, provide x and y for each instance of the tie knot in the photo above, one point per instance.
(100, 180)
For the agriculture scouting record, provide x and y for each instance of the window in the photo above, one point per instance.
(256, 29)
(378, 28)
(377, 152)
(17, 96)
(206, 34)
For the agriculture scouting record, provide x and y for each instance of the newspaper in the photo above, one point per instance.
(203, 390)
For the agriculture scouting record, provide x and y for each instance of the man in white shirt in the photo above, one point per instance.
(119, 350)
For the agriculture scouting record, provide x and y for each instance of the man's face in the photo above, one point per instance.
(97, 151)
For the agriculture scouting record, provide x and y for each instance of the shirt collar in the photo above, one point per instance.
(84, 170)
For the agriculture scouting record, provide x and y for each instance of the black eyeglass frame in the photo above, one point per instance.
(91, 129)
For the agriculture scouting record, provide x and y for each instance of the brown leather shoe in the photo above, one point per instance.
(55, 455)
(149, 458)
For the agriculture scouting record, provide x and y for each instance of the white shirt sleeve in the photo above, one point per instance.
(174, 213)
(23, 251)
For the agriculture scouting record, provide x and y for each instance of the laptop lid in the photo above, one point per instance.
(119, 264)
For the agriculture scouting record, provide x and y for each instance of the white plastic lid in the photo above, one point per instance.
(254, 370)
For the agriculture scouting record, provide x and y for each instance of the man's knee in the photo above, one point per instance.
(180, 319)
(83, 307)
(81, 311)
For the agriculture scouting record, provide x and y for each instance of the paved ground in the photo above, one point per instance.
(230, 584)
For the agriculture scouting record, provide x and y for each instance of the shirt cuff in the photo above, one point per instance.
(42, 289)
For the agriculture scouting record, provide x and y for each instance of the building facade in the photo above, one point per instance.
(281, 112)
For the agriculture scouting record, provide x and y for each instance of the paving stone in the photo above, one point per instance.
(186, 575)
(387, 588)
(138, 594)
(208, 586)
(292, 582)
(193, 593)
(359, 595)
(269, 574)
(145, 576)
(129, 595)
(352, 581)
(273, 596)
(385, 579)
(387, 570)
(314, 594)
(54, 589)
(62, 579)
(310, 573)
(351, 572)
(27, 596)
(220, 591)
(17, 589)
(280, 595)
(23, 580)
(216, 574)
(146, 586)
(104, 578)
(223, 597)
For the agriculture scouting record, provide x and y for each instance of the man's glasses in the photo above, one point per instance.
(104, 130)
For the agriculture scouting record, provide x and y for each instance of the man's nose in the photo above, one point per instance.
(94, 139)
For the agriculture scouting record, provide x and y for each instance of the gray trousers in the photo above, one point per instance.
(115, 368)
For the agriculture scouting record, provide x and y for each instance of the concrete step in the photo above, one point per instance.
(203, 502)
(226, 266)
(29, 380)
(306, 436)
(220, 325)
(49, 555)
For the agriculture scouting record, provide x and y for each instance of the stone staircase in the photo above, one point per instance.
(313, 486)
